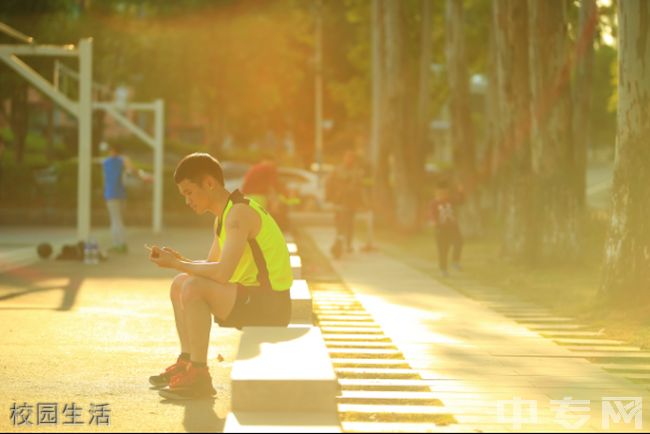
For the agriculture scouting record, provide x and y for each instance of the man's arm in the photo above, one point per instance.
(242, 223)
(128, 164)
(130, 168)
(215, 249)
(213, 255)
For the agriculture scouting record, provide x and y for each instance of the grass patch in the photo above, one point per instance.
(567, 289)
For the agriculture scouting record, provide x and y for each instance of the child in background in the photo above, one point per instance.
(444, 215)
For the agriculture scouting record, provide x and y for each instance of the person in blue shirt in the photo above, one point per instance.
(114, 167)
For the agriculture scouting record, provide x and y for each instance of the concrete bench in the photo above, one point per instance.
(301, 303)
(296, 266)
(283, 381)
(293, 248)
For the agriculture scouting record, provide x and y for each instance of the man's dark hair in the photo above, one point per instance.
(195, 166)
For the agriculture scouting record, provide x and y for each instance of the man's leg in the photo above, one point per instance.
(337, 246)
(175, 294)
(117, 225)
(349, 227)
(179, 316)
(442, 239)
(457, 248)
(201, 299)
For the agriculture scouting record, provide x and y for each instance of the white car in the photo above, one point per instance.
(233, 174)
(304, 185)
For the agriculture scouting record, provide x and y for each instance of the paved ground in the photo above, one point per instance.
(475, 358)
(93, 334)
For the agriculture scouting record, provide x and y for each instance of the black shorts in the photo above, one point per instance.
(256, 306)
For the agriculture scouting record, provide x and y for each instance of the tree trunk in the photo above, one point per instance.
(626, 276)
(462, 129)
(513, 93)
(423, 97)
(582, 93)
(382, 197)
(489, 173)
(398, 130)
(553, 155)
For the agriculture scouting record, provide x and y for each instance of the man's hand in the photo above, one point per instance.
(145, 176)
(162, 257)
(175, 253)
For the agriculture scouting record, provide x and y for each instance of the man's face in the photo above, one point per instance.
(196, 196)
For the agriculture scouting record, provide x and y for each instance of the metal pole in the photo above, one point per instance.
(84, 119)
(15, 34)
(319, 87)
(158, 165)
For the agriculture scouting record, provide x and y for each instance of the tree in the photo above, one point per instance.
(462, 129)
(582, 93)
(626, 275)
(399, 129)
(553, 155)
(424, 91)
(513, 145)
(379, 153)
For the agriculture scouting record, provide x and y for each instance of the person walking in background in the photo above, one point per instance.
(344, 189)
(114, 167)
(444, 216)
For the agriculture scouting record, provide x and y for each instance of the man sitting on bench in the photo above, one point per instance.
(245, 280)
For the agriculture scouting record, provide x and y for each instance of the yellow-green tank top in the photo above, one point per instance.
(265, 261)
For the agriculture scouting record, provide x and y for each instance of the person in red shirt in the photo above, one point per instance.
(444, 215)
(262, 184)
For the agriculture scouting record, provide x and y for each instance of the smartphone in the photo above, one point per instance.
(148, 247)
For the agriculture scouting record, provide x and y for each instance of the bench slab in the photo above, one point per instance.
(296, 266)
(301, 303)
(283, 369)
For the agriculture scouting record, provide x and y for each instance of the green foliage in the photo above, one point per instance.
(244, 68)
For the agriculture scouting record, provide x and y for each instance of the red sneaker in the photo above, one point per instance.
(164, 379)
(195, 383)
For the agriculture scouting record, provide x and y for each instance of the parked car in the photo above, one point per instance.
(304, 185)
(300, 183)
(233, 174)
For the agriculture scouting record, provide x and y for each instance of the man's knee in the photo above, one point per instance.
(192, 290)
(177, 286)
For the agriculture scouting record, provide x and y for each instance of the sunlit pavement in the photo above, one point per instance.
(90, 335)
(93, 334)
(479, 361)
